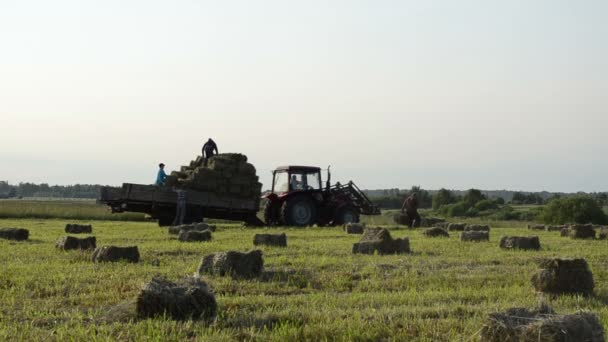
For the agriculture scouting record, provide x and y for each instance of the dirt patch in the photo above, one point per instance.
(520, 242)
(278, 240)
(564, 276)
(69, 242)
(15, 234)
(78, 228)
(379, 240)
(190, 298)
(113, 254)
(236, 264)
(522, 325)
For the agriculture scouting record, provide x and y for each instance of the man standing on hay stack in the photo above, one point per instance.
(209, 150)
(410, 206)
(161, 176)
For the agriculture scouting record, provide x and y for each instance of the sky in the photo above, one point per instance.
(455, 94)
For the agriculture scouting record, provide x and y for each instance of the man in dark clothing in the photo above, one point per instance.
(410, 206)
(209, 149)
(180, 213)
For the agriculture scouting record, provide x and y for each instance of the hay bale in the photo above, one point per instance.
(442, 225)
(520, 242)
(523, 325)
(582, 231)
(602, 234)
(555, 228)
(379, 240)
(78, 228)
(565, 232)
(175, 230)
(402, 218)
(435, 232)
(564, 276)
(279, 240)
(190, 298)
(474, 236)
(354, 228)
(16, 234)
(113, 254)
(236, 264)
(69, 242)
(536, 226)
(477, 228)
(194, 236)
(431, 221)
(458, 227)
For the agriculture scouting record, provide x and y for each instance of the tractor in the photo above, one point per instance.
(298, 198)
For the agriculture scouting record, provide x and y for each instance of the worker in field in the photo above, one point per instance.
(180, 212)
(410, 207)
(209, 149)
(161, 176)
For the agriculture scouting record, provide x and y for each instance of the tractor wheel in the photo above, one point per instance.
(346, 214)
(271, 213)
(299, 211)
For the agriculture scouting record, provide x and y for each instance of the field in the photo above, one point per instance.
(440, 292)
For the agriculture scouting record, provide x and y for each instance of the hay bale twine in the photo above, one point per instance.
(190, 298)
(477, 228)
(435, 232)
(536, 227)
(582, 231)
(474, 236)
(194, 236)
(113, 254)
(520, 242)
(69, 242)
(78, 228)
(175, 230)
(279, 240)
(554, 228)
(354, 228)
(379, 240)
(401, 218)
(15, 234)
(523, 325)
(236, 264)
(456, 227)
(564, 276)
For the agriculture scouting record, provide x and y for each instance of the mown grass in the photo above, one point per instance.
(65, 209)
(440, 292)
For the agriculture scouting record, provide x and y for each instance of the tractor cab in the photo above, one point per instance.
(287, 179)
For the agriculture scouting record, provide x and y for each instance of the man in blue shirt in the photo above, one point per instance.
(161, 176)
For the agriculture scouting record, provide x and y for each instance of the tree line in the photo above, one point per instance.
(44, 190)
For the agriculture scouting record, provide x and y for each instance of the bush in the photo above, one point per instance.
(456, 209)
(443, 197)
(486, 205)
(575, 209)
(472, 197)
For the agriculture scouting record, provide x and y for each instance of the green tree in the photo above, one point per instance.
(443, 197)
(575, 209)
(472, 197)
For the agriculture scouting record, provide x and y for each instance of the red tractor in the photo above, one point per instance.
(298, 198)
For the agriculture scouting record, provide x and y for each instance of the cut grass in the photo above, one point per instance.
(64, 209)
(441, 292)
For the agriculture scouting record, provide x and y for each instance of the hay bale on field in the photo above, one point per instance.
(474, 236)
(520, 242)
(175, 230)
(194, 236)
(354, 228)
(431, 221)
(279, 240)
(69, 242)
(564, 276)
(443, 225)
(565, 232)
(113, 253)
(402, 218)
(477, 228)
(536, 226)
(78, 228)
(582, 231)
(555, 228)
(16, 234)
(602, 234)
(523, 325)
(190, 298)
(236, 264)
(458, 227)
(379, 240)
(435, 232)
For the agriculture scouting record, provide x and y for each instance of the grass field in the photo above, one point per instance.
(440, 292)
(66, 209)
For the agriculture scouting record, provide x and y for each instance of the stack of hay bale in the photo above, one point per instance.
(227, 173)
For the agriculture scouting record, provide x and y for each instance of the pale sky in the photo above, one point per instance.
(456, 94)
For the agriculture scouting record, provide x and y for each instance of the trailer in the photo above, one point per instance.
(160, 202)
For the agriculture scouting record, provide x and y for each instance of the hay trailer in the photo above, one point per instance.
(160, 202)
(299, 199)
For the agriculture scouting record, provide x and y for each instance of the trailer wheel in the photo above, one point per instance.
(299, 211)
(346, 214)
